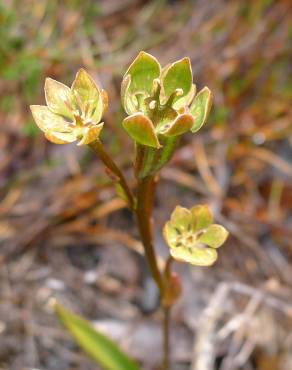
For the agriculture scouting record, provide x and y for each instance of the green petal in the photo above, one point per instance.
(181, 218)
(86, 92)
(178, 76)
(202, 217)
(214, 236)
(47, 120)
(144, 69)
(195, 256)
(141, 129)
(200, 108)
(128, 101)
(182, 124)
(170, 234)
(58, 98)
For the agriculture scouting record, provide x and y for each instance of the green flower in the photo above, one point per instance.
(71, 113)
(192, 236)
(162, 102)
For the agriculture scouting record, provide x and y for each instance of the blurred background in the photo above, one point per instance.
(64, 232)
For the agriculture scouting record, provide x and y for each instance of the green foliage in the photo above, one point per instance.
(99, 347)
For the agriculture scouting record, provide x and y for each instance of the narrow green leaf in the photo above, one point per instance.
(141, 129)
(144, 69)
(200, 108)
(178, 76)
(100, 348)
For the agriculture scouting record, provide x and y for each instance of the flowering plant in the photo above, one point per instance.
(161, 105)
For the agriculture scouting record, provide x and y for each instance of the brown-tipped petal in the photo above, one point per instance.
(182, 124)
(60, 138)
(104, 97)
(141, 129)
(91, 134)
(58, 98)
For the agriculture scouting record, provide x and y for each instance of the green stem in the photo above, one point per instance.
(99, 149)
(145, 194)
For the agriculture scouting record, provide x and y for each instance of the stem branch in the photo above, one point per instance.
(99, 149)
(145, 194)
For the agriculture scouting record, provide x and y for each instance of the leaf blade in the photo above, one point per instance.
(100, 348)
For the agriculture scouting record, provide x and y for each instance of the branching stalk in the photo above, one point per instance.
(100, 150)
(145, 194)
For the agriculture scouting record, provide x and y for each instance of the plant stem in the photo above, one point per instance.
(143, 211)
(100, 150)
(145, 194)
(166, 344)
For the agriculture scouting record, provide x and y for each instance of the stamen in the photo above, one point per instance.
(175, 94)
(152, 104)
(156, 88)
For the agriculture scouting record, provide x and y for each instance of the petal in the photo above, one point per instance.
(59, 137)
(47, 120)
(180, 125)
(170, 234)
(214, 236)
(195, 256)
(144, 69)
(141, 129)
(104, 97)
(85, 92)
(202, 217)
(181, 219)
(128, 101)
(177, 75)
(58, 98)
(200, 108)
(90, 134)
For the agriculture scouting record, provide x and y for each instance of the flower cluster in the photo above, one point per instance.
(71, 113)
(192, 236)
(162, 102)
